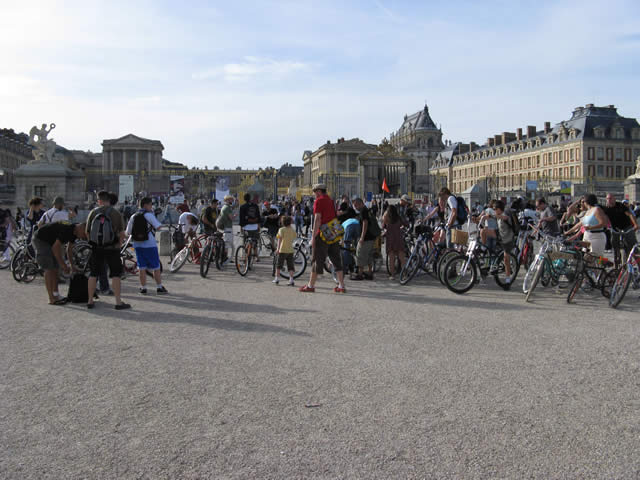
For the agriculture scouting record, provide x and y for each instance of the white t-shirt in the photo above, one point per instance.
(452, 205)
(184, 222)
(54, 215)
(151, 239)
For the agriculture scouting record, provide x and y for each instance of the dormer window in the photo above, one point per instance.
(618, 133)
(635, 133)
(598, 132)
(538, 142)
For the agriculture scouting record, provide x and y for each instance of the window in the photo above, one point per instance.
(571, 155)
(619, 154)
(609, 154)
(590, 153)
(40, 191)
(600, 154)
(591, 171)
(600, 170)
(342, 162)
(537, 160)
(618, 172)
(560, 156)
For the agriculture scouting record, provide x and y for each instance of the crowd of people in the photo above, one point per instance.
(347, 231)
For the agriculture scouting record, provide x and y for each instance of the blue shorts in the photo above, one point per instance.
(148, 258)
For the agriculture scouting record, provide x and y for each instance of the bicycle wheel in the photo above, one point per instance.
(7, 253)
(242, 260)
(299, 262)
(619, 289)
(500, 276)
(18, 265)
(205, 260)
(30, 271)
(179, 260)
(531, 271)
(377, 262)
(221, 254)
(442, 262)
(608, 281)
(460, 274)
(410, 268)
(577, 284)
(536, 278)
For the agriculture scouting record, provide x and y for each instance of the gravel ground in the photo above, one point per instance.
(234, 377)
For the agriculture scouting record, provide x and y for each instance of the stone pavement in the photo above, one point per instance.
(234, 377)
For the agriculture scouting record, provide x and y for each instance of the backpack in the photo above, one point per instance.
(463, 211)
(374, 226)
(78, 289)
(514, 222)
(101, 233)
(140, 228)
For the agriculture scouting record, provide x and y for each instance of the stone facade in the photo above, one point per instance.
(335, 164)
(420, 139)
(593, 152)
(14, 153)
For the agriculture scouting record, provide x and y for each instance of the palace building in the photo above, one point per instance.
(593, 151)
(420, 139)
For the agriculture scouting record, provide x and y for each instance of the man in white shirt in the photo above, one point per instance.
(188, 223)
(451, 212)
(56, 214)
(147, 254)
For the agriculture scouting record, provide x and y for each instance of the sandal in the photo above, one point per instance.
(307, 288)
(340, 290)
(60, 301)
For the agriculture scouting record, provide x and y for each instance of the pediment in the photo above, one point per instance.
(131, 139)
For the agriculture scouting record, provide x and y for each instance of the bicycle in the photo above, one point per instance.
(245, 254)
(629, 274)
(191, 252)
(5, 260)
(425, 254)
(594, 273)
(214, 251)
(617, 257)
(299, 261)
(557, 262)
(461, 272)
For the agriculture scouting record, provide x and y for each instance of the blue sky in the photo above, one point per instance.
(256, 83)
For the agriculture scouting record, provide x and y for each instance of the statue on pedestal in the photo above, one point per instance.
(44, 148)
(638, 167)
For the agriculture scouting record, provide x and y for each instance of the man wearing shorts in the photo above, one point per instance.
(147, 255)
(323, 212)
(48, 242)
(226, 222)
(250, 220)
(109, 254)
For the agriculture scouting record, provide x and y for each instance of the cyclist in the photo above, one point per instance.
(548, 222)
(48, 242)
(506, 230)
(621, 219)
(271, 222)
(188, 223)
(141, 223)
(450, 204)
(323, 212)
(209, 216)
(250, 222)
(225, 221)
(366, 242)
(55, 214)
(592, 224)
(36, 211)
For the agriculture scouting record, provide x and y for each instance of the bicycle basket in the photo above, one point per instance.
(459, 237)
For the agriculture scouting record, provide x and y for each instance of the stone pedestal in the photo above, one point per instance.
(632, 188)
(49, 180)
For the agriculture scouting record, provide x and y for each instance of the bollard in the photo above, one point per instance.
(164, 243)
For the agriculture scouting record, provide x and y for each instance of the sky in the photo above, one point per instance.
(256, 83)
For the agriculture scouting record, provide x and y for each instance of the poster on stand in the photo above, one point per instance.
(222, 188)
(176, 189)
(125, 188)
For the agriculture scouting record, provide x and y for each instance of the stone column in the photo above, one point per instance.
(137, 160)
(111, 161)
(149, 160)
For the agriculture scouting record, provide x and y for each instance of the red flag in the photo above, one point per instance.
(384, 185)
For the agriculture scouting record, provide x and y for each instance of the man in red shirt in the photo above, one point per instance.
(323, 212)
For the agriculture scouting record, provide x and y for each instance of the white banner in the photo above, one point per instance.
(176, 195)
(222, 188)
(125, 190)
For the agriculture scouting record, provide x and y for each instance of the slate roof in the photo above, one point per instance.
(419, 121)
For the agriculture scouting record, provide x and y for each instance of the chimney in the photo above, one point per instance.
(519, 134)
(589, 105)
(531, 131)
(497, 139)
(471, 147)
(547, 127)
(490, 142)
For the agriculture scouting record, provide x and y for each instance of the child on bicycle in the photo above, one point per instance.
(286, 235)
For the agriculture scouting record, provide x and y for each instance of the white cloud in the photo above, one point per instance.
(253, 67)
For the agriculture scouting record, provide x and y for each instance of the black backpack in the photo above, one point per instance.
(373, 227)
(141, 228)
(78, 289)
(514, 223)
(463, 211)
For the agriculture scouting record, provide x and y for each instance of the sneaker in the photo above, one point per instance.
(307, 288)
(143, 291)
(340, 290)
(122, 306)
(291, 283)
(276, 281)
(161, 291)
